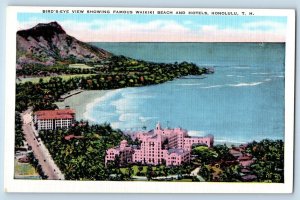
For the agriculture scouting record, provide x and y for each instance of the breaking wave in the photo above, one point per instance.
(246, 84)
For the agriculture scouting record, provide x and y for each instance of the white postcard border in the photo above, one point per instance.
(58, 186)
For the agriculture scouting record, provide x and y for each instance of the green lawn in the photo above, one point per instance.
(80, 66)
(47, 78)
(25, 170)
(184, 180)
(135, 169)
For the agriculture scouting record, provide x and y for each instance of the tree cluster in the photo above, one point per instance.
(121, 72)
(19, 136)
(269, 164)
(82, 158)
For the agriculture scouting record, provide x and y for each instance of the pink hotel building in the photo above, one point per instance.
(159, 146)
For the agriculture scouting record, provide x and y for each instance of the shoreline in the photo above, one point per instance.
(80, 101)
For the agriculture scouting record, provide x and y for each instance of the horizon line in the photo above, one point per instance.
(181, 42)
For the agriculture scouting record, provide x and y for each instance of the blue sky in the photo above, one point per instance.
(110, 27)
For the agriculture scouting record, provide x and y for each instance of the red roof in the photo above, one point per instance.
(55, 114)
(245, 158)
(69, 137)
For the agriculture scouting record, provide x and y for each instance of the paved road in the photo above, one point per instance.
(40, 151)
(195, 173)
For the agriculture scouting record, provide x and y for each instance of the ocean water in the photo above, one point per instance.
(242, 101)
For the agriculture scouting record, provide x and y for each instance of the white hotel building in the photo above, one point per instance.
(53, 119)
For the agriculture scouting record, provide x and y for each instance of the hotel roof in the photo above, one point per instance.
(177, 151)
(55, 114)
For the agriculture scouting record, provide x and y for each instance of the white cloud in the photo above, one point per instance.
(261, 31)
(166, 31)
(261, 25)
(209, 28)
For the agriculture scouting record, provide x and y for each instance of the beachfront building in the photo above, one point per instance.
(123, 153)
(54, 119)
(158, 149)
(159, 146)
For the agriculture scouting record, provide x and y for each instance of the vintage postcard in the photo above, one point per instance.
(139, 100)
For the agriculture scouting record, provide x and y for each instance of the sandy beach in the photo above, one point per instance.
(79, 101)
